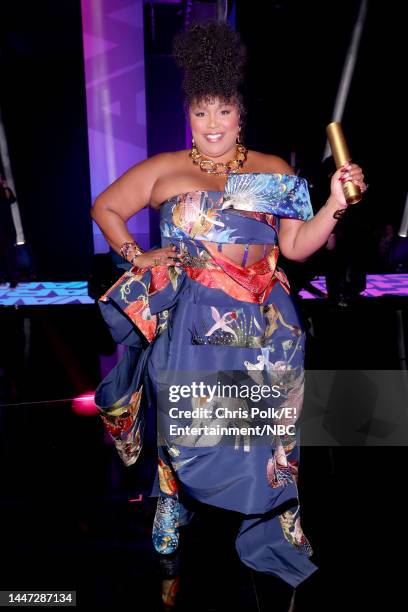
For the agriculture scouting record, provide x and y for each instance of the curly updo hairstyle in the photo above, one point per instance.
(212, 57)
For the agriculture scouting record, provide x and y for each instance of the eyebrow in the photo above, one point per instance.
(204, 107)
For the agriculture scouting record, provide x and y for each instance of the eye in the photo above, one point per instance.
(225, 112)
(199, 114)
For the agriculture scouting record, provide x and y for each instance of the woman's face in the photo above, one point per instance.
(215, 127)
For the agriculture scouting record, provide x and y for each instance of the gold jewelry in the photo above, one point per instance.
(130, 247)
(134, 259)
(219, 168)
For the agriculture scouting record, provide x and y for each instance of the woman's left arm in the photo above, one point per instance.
(300, 239)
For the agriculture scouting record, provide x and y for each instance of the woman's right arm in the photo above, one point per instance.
(126, 196)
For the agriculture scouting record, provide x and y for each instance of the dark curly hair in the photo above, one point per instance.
(212, 56)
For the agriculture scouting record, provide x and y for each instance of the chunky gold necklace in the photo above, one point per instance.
(219, 168)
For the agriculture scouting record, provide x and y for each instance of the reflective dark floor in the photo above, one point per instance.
(68, 522)
(73, 517)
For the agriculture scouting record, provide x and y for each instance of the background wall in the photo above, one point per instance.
(42, 98)
(296, 54)
(115, 94)
(297, 50)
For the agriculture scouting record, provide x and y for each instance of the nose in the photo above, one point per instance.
(212, 120)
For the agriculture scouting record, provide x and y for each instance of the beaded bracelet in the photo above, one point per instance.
(134, 259)
(128, 247)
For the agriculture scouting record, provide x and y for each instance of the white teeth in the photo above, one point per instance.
(213, 137)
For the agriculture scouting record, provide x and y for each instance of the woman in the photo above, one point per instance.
(212, 299)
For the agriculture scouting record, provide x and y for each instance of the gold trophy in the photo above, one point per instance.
(342, 155)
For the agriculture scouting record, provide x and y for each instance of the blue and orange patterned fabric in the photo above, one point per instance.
(214, 314)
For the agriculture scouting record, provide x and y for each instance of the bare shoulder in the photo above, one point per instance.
(162, 163)
(144, 174)
(155, 163)
(264, 162)
(132, 191)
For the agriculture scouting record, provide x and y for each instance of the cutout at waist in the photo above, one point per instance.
(244, 254)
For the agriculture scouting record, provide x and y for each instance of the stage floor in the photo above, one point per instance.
(75, 518)
(63, 293)
(45, 294)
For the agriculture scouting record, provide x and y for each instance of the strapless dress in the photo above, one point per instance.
(212, 322)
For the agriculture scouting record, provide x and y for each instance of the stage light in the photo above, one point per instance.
(84, 404)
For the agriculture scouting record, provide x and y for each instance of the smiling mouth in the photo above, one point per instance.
(214, 137)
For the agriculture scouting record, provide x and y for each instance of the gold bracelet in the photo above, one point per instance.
(128, 247)
(132, 261)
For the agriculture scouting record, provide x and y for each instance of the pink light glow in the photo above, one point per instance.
(139, 498)
(84, 404)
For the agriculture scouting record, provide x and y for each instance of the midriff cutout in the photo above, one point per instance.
(235, 252)
(246, 254)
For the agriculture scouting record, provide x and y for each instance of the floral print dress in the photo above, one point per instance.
(212, 316)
